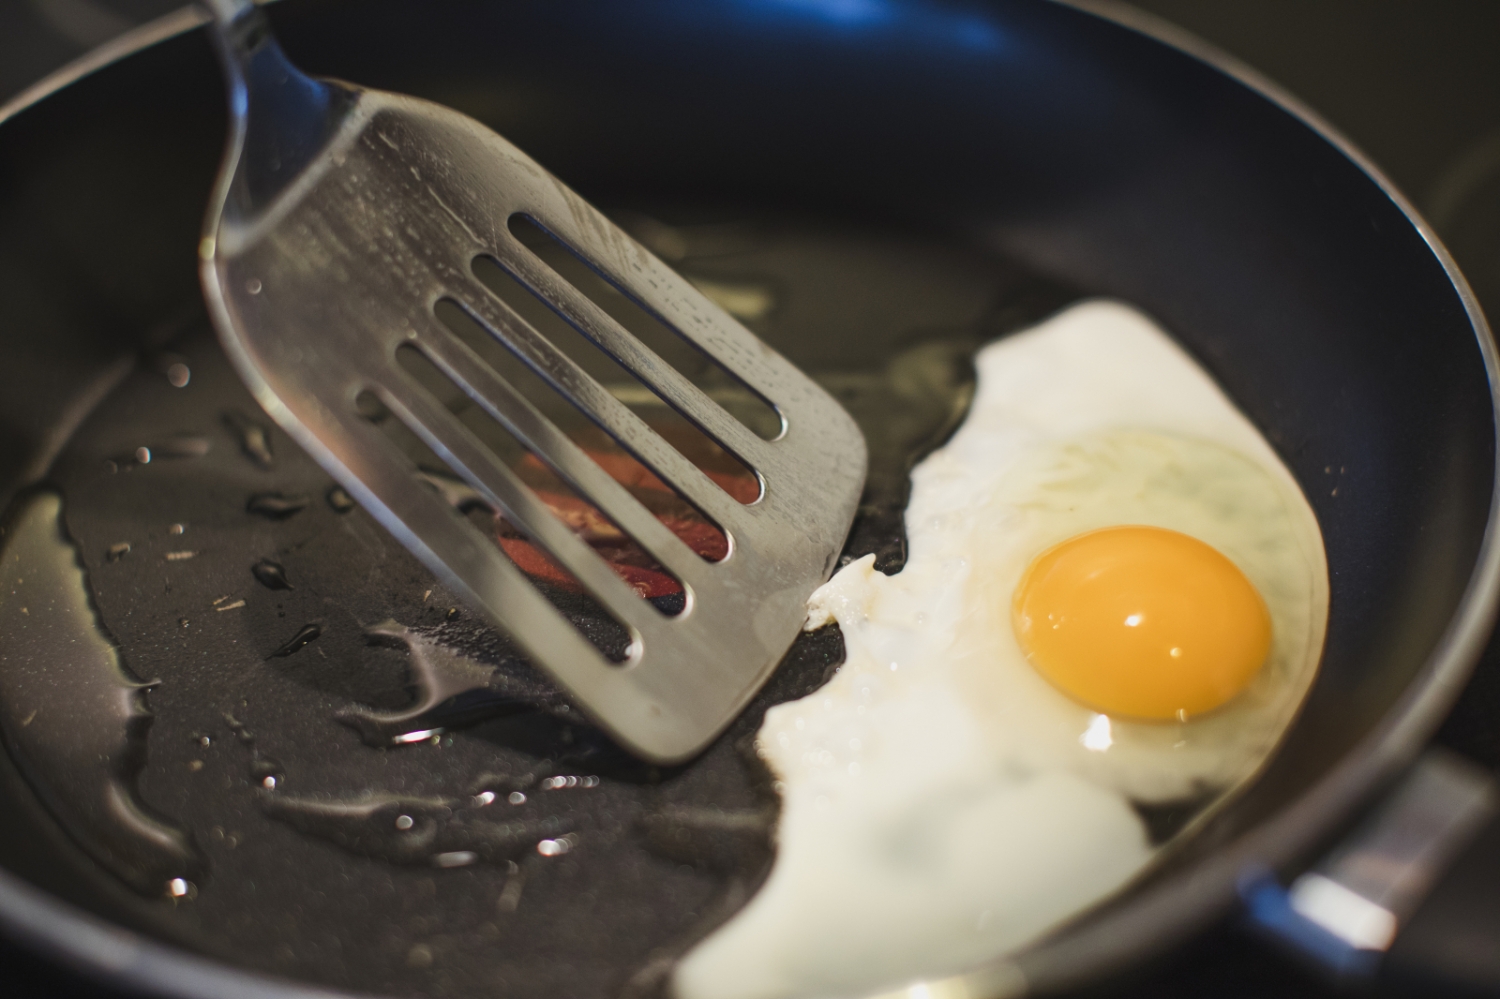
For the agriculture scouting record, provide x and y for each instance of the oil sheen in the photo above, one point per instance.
(73, 715)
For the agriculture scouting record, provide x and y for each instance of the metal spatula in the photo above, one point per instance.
(342, 216)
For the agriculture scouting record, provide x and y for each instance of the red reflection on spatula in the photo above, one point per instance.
(629, 561)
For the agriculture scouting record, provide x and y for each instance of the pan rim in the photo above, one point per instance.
(1159, 916)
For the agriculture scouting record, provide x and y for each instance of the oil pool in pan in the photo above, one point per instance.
(244, 700)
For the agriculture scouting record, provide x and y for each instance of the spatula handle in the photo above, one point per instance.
(227, 12)
(279, 116)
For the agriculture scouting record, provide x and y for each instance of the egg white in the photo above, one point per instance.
(942, 803)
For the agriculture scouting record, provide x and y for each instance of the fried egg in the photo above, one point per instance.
(1115, 596)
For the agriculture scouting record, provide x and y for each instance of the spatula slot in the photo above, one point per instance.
(616, 641)
(637, 394)
(758, 414)
(609, 539)
(665, 501)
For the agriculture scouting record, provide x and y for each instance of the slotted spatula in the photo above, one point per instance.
(341, 217)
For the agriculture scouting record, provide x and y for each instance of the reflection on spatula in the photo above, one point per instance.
(342, 218)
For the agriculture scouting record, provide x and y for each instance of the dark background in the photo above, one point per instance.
(1414, 85)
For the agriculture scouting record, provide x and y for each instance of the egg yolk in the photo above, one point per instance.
(1142, 622)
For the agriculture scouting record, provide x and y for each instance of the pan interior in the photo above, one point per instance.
(1273, 258)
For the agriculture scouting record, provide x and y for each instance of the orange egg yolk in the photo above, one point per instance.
(1142, 622)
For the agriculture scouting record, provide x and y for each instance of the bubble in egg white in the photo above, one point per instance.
(942, 803)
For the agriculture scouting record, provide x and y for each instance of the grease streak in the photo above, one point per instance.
(74, 717)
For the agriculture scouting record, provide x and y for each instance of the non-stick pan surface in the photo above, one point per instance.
(1079, 145)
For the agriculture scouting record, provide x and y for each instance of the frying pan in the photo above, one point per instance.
(1073, 139)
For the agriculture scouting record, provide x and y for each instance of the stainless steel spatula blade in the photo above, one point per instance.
(342, 217)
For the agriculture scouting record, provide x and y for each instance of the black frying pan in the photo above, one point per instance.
(1088, 149)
